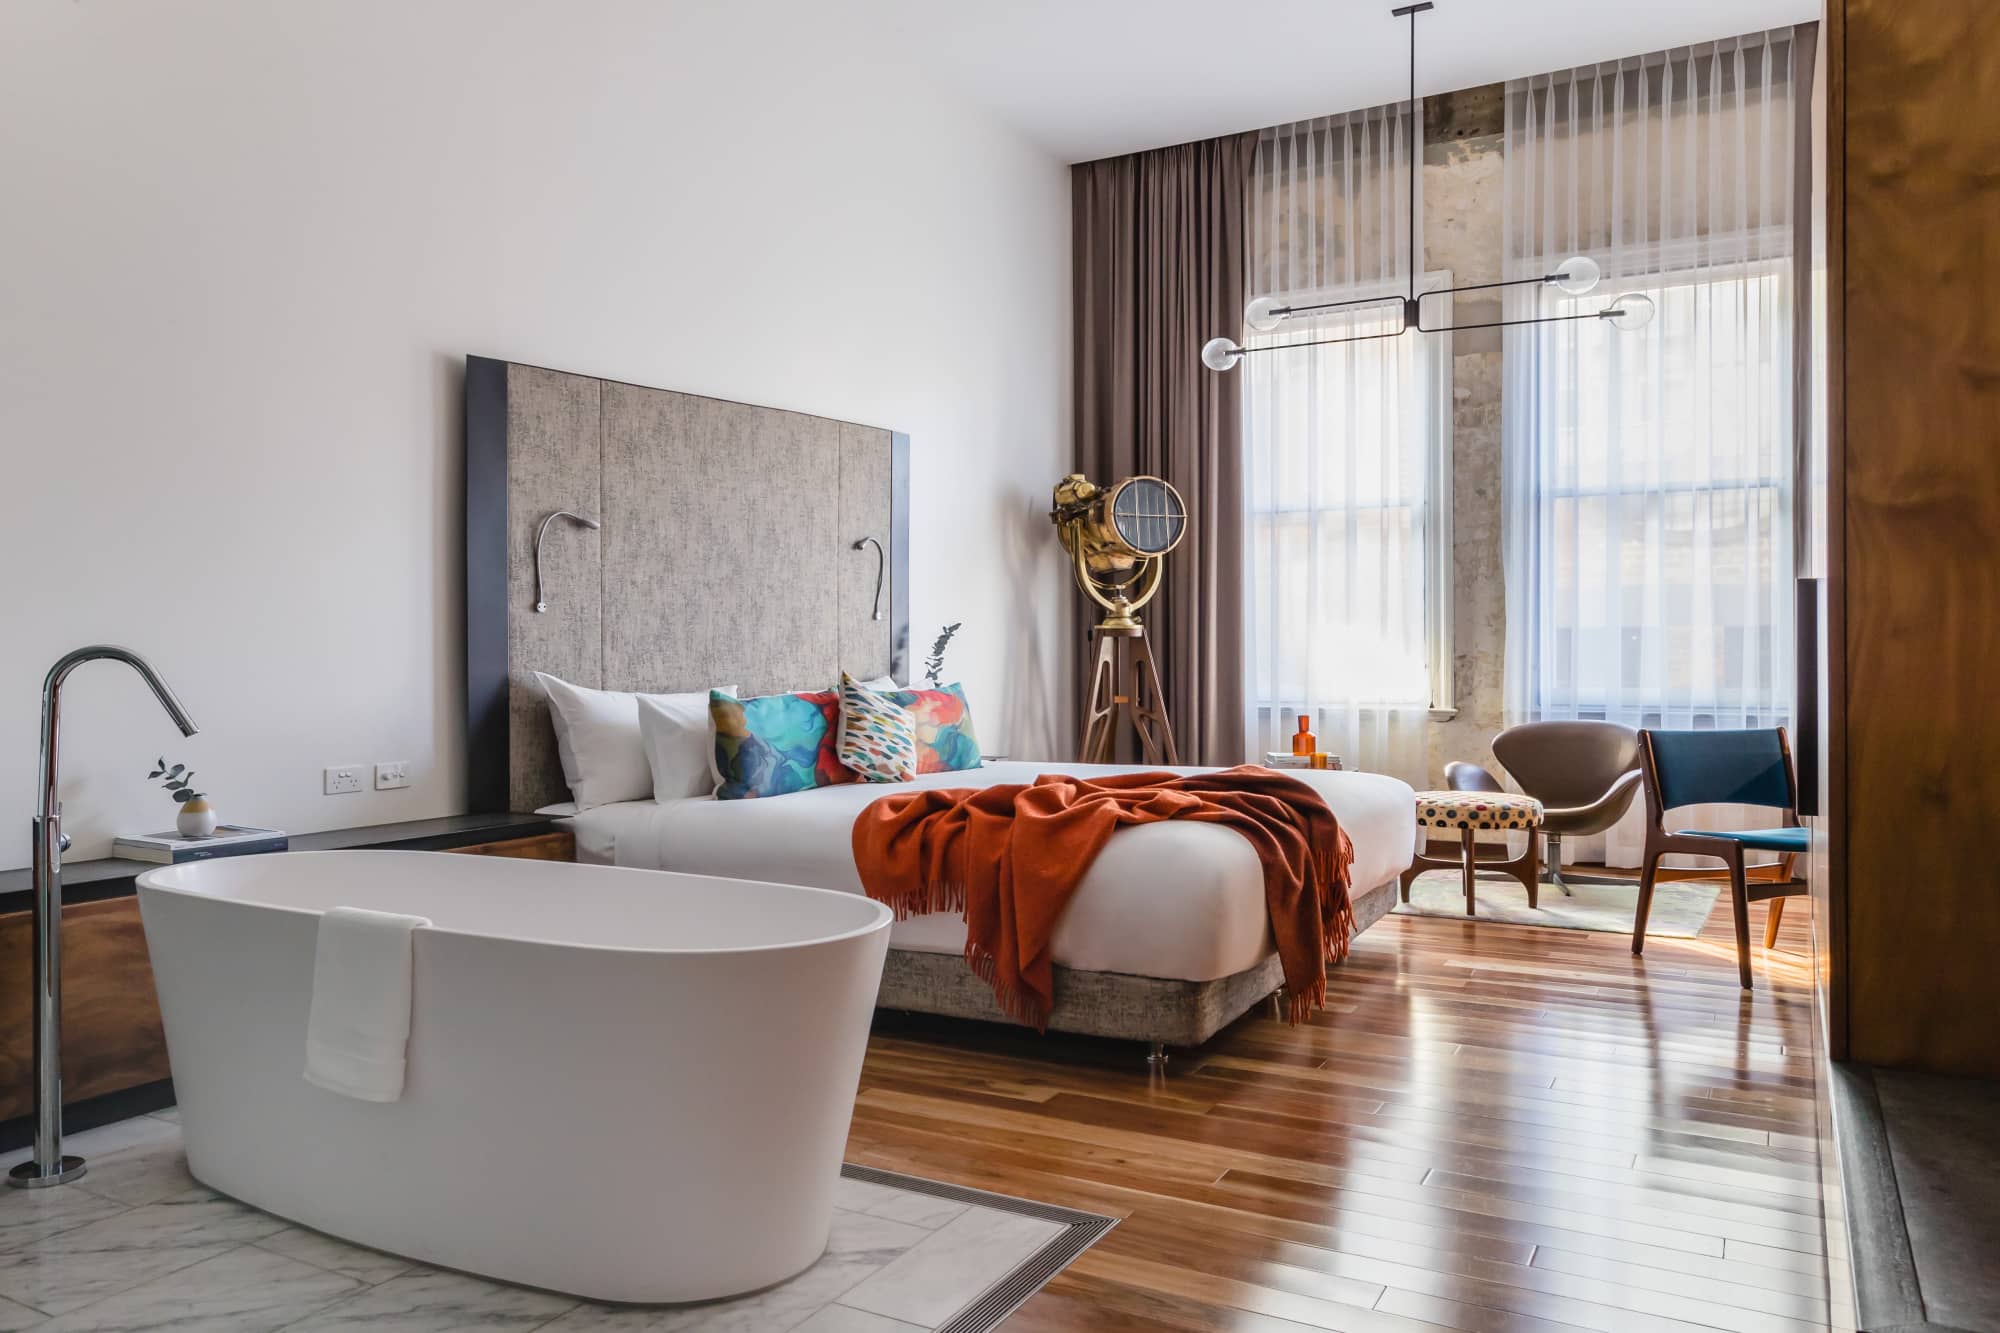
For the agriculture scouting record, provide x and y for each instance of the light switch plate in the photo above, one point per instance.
(392, 775)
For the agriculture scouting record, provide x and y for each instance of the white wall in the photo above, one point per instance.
(244, 247)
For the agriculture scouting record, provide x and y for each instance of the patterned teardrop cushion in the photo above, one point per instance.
(878, 737)
(775, 744)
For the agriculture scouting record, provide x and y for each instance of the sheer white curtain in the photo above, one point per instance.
(1337, 441)
(1647, 477)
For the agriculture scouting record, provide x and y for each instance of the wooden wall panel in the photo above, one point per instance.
(1826, 559)
(112, 1037)
(1921, 406)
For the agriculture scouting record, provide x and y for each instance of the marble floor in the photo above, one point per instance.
(137, 1244)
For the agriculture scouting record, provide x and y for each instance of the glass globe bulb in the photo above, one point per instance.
(1220, 354)
(1634, 310)
(1577, 274)
(1262, 314)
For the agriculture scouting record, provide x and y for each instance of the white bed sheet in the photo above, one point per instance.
(1183, 901)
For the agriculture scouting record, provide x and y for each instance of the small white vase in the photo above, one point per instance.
(196, 819)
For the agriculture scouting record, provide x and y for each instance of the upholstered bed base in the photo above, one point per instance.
(1106, 1004)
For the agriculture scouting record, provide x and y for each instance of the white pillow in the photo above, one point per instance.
(881, 684)
(678, 735)
(598, 738)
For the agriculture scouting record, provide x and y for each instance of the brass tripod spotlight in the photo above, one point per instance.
(1117, 538)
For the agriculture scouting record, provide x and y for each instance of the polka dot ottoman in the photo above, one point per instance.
(1469, 813)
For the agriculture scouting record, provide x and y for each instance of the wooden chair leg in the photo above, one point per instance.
(1533, 877)
(1771, 920)
(1649, 871)
(1469, 866)
(1739, 908)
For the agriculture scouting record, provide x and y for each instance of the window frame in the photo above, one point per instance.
(1439, 583)
(1665, 267)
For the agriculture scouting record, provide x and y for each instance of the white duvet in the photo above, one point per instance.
(1173, 900)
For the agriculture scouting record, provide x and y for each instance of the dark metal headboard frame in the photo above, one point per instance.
(487, 604)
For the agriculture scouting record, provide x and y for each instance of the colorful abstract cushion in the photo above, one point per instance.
(878, 737)
(775, 744)
(945, 742)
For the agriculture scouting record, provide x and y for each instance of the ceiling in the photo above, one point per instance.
(1094, 78)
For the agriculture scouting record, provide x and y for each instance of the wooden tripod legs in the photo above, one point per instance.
(1123, 680)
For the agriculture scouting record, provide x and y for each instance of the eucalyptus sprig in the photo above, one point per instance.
(178, 781)
(934, 664)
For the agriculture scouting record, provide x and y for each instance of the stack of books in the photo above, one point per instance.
(171, 848)
(1286, 759)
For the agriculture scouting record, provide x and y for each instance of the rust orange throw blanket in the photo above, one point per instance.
(1009, 857)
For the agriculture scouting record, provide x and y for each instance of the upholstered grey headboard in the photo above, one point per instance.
(733, 550)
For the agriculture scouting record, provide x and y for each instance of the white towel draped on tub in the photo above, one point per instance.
(360, 1019)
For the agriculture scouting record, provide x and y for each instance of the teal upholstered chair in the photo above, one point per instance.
(1721, 767)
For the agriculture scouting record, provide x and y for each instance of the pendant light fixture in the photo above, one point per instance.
(1576, 276)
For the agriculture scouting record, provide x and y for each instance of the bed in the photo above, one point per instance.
(770, 550)
(1173, 912)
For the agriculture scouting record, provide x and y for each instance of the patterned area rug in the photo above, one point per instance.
(1680, 907)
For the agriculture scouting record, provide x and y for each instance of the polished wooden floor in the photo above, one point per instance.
(1493, 1128)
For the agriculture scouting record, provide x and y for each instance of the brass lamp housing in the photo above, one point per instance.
(1111, 571)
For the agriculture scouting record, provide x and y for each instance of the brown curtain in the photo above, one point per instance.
(1159, 254)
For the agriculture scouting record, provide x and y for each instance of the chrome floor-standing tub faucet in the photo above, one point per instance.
(48, 1166)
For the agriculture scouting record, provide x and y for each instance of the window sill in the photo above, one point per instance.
(1367, 708)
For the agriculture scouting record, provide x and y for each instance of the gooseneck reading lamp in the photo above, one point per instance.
(541, 601)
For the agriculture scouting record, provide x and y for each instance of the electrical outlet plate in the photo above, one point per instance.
(392, 775)
(344, 779)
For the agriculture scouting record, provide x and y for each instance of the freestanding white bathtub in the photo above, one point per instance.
(622, 1084)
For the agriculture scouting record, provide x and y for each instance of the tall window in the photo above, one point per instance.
(1662, 511)
(1347, 451)
(1647, 489)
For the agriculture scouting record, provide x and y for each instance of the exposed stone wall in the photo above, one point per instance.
(1462, 216)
